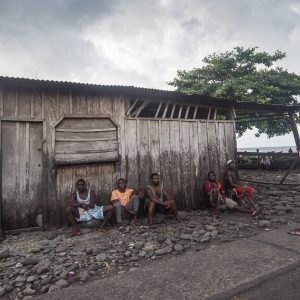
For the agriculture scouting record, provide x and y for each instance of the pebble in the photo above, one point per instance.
(263, 223)
(30, 261)
(127, 253)
(2, 291)
(62, 283)
(41, 269)
(19, 265)
(31, 279)
(210, 228)
(4, 253)
(178, 247)
(93, 268)
(84, 276)
(101, 257)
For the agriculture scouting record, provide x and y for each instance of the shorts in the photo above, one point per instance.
(91, 213)
(161, 209)
(230, 203)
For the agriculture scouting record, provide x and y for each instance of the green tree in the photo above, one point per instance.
(244, 75)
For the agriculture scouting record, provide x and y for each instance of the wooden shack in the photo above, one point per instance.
(53, 133)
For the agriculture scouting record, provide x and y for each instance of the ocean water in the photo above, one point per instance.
(284, 149)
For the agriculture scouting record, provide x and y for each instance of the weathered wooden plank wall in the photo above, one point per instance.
(181, 151)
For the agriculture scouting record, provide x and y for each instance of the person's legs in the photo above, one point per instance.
(108, 211)
(72, 214)
(151, 210)
(132, 206)
(215, 199)
(118, 211)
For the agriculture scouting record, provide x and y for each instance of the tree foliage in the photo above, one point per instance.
(244, 75)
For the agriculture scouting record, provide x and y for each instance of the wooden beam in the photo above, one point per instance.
(187, 112)
(138, 111)
(158, 109)
(180, 110)
(215, 113)
(131, 107)
(173, 110)
(195, 112)
(165, 111)
(83, 140)
(289, 170)
(208, 115)
(86, 130)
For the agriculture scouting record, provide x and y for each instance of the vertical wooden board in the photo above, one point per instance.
(24, 103)
(9, 103)
(154, 151)
(165, 154)
(143, 153)
(186, 163)
(63, 103)
(230, 141)
(203, 150)
(222, 148)
(1, 104)
(131, 153)
(93, 106)
(106, 105)
(194, 155)
(9, 170)
(37, 95)
(107, 182)
(118, 115)
(212, 147)
(50, 106)
(175, 162)
(81, 104)
(92, 173)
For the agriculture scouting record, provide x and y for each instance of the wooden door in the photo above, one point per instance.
(21, 173)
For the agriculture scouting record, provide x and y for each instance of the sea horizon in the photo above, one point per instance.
(284, 149)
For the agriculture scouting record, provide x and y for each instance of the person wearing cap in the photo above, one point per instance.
(125, 200)
(244, 193)
(214, 191)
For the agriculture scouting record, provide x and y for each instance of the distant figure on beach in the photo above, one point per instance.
(257, 150)
(290, 150)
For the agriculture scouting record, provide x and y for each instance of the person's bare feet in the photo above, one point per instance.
(103, 230)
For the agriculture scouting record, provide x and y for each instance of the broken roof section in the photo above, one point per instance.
(132, 91)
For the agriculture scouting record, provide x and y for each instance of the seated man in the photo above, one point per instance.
(213, 189)
(83, 208)
(125, 200)
(230, 183)
(158, 199)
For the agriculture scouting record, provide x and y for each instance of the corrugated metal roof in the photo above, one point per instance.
(132, 91)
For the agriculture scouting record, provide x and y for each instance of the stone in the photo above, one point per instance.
(61, 249)
(20, 279)
(101, 257)
(142, 253)
(263, 223)
(210, 228)
(127, 253)
(62, 283)
(186, 236)
(9, 288)
(29, 291)
(83, 276)
(41, 269)
(36, 249)
(178, 247)
(53, 288)
(205, 239)
(214, 233)
(149, 247)
(46, 280)
(4, 253)
(159, 218)
(183, 215)
(93, 268)
(2, 291)
(161, 251)
(51, 235)
(19, 265)
(45, 288)
(31, 278)
(29, 261)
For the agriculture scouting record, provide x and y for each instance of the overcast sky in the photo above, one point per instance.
(141, 43)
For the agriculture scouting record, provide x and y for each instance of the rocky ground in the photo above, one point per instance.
(41, 262)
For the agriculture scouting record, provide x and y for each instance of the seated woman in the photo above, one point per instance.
(214, 191)
(83, 208)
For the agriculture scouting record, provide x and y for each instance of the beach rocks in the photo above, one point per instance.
(4, 253)
(263, 223)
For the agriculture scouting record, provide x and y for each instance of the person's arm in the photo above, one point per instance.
(232, 181)
(92, 199)
(152, 197)
(73, 202)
